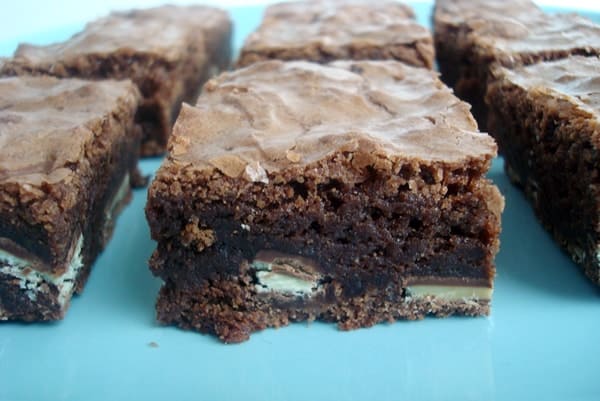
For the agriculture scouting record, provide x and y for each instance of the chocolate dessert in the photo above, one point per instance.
(353, 192)
(471, 36)
(169, 52)
(327, 30)
(68, 149)
(546, 118)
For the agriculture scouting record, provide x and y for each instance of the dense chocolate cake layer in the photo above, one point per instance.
(68, 149)
(168, 51)
(547, 121)
(316, 187)
(327, 30)
(197, 309)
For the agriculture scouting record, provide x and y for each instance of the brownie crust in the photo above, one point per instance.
(547, 120)
(68, 152)
(297, 191)
(168, 51)
(327, 30)
(471, 37)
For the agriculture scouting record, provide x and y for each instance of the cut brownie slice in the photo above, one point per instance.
(547, 121)
(67, 150)
(473, 35)
(352, 193)
(327, 30)
(167, 51)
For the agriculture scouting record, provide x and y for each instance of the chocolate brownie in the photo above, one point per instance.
(547, 120)
(327, 30)
(352, 193)
(169, 52)
(473, 35)
(67, 150)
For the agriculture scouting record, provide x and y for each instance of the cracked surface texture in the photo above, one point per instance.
(472, 36)
(45, 124)
(326, 30)
(168, 52)
(163, 30)
(274, 115)
(576, 80)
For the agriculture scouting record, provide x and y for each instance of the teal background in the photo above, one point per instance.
(541, 341)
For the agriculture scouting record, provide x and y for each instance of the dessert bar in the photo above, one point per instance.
(169, 52)
(68, 149)
(326, 30)
(353, 192)
(546, 118)
(471, 36)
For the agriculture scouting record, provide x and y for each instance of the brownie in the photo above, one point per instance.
(473, 35)
(547, 120)
(353, 192)
(169, 52)
(326, 30)
(68, 148)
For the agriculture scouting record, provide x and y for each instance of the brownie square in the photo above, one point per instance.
(68, 149)
(326, 30)
(472, 36)
(169, 52)
(547, 120)
(352, 193)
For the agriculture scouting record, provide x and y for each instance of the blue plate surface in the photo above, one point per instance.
(541, 341)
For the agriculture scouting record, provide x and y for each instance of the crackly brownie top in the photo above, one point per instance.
(540, 34)
(576, 79)
(45, 124)
(333, 24)
(275, 115)
(475, 12)
(504, 29)
(163, 31)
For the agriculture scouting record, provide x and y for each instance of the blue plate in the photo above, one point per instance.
(541, 341)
